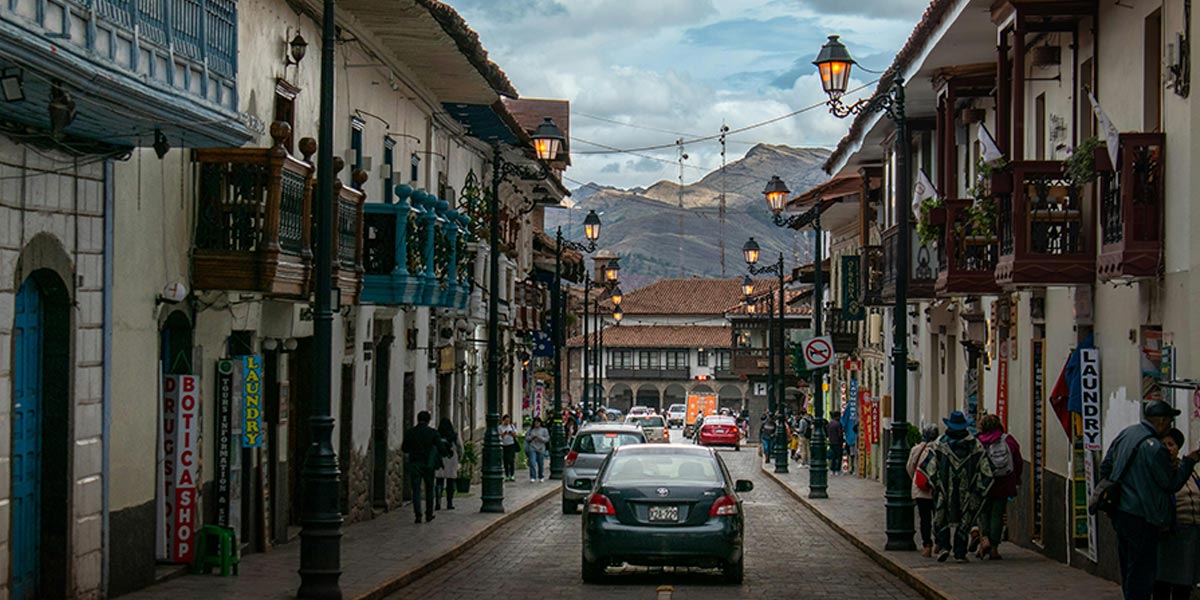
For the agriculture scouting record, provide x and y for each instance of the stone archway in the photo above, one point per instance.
(648, 394)
(620, 397)
(701, 389)
(674, 394)
(731, 396)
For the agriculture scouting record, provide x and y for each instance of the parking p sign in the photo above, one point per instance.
(818, 352)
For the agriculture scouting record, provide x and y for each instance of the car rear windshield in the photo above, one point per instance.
(604, 442)
(648, 421)
(657, 468)
(720, 421)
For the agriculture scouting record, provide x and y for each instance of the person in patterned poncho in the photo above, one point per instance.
(961, 476)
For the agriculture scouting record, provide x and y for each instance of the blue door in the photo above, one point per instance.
(26, 441)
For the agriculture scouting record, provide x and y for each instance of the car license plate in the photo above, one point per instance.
(668, 514)
(718, 431)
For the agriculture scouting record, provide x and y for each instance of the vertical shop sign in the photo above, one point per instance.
(876, 418)
(1037, 376)
(1089, 385)
(252, 401)
(180, 468)
(852, 306)
(224, 438)
(1002, 383)
(539, 398)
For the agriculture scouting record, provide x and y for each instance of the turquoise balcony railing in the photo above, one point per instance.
(413, 251)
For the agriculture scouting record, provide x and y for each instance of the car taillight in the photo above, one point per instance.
(571, 456)
(599, 504)
(725, 506)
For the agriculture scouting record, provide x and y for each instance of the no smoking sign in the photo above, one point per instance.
(818, 352)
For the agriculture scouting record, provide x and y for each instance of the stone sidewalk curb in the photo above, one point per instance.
(920, 584)
(399, 582)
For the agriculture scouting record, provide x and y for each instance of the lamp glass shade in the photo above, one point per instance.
(617, 296)
(547, 140)
(299, 48)
(747, 286)
(618, 314)
(834, 63)
(776, 193)
(612, 270)
(750, 308)
(750, 251)
(591, 226)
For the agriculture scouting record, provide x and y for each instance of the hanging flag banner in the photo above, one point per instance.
(1002, 383)
(987, 144)
(1112, 137)
(922, 190)
(1089, 384)
(180, 468)
(252, 404)
(852, 306)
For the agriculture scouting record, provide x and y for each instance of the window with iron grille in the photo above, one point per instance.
(677, 359)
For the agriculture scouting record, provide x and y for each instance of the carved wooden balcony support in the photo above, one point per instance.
(1044, 228)
(1131, 214)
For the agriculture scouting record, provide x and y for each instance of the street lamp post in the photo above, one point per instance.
(321, 535)
(547, 140)
(776, 356)
(834, 63)
(591, 230)
(776, 193)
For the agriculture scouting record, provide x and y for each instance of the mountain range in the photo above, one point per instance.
(642, 225)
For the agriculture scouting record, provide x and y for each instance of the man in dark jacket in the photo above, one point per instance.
(1142, 466)
(837, 439)
(422, 445)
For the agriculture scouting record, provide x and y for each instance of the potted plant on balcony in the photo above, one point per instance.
(1082, 161)
(991, 178)
(931, 218)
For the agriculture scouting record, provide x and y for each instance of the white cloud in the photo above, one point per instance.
(676, 67)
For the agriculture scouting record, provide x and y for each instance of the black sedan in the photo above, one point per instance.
(664, 505)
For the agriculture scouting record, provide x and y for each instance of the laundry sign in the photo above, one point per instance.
(1089, 386)
(252, 401)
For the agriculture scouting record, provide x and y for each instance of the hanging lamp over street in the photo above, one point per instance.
(547, 140)
(617, 296)
(612, 271)
(750, 251)
(618, 314)
(777, 194)
(591, 226)
(747, 287)
(834, 62)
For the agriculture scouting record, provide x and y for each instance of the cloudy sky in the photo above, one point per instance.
(681, 68)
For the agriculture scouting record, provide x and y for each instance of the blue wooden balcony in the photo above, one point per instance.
(128, 68)
(414, 252)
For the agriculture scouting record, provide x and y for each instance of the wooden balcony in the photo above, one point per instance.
(966, 257)
(415, 252)
(921, 276)
(531, 302)
(750, 362)
(1044, 227)
(1131, 213)
(646, 373)
(348, 237)
(254, 227)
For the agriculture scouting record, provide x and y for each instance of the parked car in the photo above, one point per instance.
(720, 431)
(664, 505)
(654, 426)
(676, 415)
(593, 444)
(614, 415)
(639, 410)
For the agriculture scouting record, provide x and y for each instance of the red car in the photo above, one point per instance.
(720, 431)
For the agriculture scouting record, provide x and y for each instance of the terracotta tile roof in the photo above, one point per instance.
(934, 13)
(468, 43)
(798, 304)
(692, 296)
(661, 336)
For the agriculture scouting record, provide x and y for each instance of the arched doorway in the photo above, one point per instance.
(702, 389)
(41, 467)
(674, 394)
(730, 397)
(620, 397)
(647, 395)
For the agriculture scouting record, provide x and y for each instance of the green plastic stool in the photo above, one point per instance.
(216, 546)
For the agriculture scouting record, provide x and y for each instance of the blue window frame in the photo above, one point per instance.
(356, 144)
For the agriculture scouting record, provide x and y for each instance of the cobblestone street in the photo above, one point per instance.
(789, 553)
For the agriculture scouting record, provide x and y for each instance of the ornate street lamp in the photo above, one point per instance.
(776, 195)
(591, 226)
(617, 296)
(750, 251)
(591, 231)
(612, 271)
(747, 287)
(834, 63)
(547, 139)
(618, 314)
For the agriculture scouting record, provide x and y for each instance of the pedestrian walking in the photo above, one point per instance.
(1139, 463)
(1004, 455)
(536, 439)
(961, 476)
(448, 473)
(837, 439)
(922, 489)
(766, 433)
(422, 445)
(508, 443)
(804, 428)
(1179, 547)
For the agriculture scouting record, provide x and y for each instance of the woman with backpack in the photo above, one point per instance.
(1004, 454)
(922, 489)
(448, 474)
